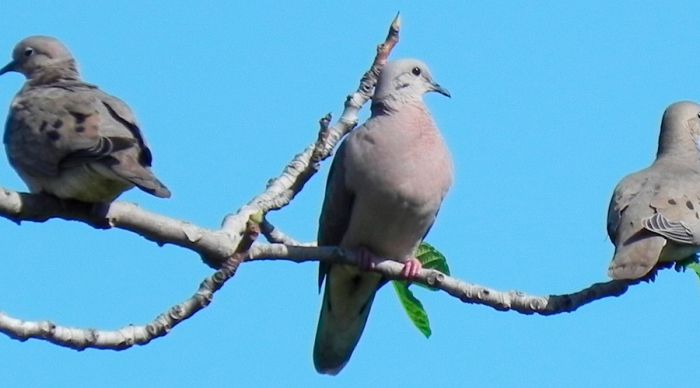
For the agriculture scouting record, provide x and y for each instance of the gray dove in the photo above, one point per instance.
(384, 190)
(68, 138)
(653, 217)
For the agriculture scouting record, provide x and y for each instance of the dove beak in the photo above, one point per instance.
(8, 68)
(441, 90)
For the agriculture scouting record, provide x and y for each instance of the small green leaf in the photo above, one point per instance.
(692, 262)
(695, 267)
(414, 308)
(431, 258)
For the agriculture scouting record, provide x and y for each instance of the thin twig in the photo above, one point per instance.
(282, 190)
(128, 336)
(222, 248)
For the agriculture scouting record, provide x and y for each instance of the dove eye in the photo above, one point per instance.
(416, 71)
(29, 51)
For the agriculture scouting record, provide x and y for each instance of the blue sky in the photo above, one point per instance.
(553, 103)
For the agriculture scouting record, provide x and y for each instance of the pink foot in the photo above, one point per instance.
(411, 268)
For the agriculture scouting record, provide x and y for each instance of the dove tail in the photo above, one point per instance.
(152, 186)
(142, 177)
(341, 324)
(636, 259)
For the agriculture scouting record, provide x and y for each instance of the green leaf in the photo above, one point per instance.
(695, 267)
(414, 308)
(431, 258)
(692, 262)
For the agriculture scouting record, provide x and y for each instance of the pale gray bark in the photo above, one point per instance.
(229, 246)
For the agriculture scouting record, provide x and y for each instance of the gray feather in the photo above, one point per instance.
(66, 137)
(384, 190)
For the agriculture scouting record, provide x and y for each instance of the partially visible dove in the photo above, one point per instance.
(384, 190)
(654, 218)
(68, 138)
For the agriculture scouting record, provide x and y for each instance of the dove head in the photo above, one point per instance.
(405, 80)
(680, 130)
(35, 55)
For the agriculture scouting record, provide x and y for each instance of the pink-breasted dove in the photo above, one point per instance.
(66, 137)
(654, 218)
(384, 190)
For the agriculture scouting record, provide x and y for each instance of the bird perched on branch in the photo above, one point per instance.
(384, 190)
(68, 138)
(654, 214)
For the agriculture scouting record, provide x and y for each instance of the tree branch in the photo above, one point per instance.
(232, 244)
(466, 292)
(155, 227)
(282, 190)
(218, 248)
(274, 235)
(128, 336)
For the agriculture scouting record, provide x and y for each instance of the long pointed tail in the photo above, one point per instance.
(142, 177)
(347, 300)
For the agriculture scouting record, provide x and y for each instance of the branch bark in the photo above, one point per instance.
(282, 190)
(466, 292)
(128, 336)
(229, 246)
(222, 249)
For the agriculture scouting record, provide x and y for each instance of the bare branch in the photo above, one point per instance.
(155, 227)
(228, 247)
(128, 336)
(282, 190)
(466, 292)
(274, 235)
(216, 247)
(355, 101)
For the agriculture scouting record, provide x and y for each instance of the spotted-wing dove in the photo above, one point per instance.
(68, 138)
(384, 190)
(654, 218)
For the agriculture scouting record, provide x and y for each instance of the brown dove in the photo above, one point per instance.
(68, 138)
(384, 190)
(654, 218)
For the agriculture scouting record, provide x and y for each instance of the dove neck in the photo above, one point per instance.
(391, 104)
(678, 142)
(678, 150)
(60, 71)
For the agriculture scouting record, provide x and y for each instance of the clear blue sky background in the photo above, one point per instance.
(553, 103)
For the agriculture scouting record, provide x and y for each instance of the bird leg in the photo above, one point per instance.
(366, 261)
(411, 267)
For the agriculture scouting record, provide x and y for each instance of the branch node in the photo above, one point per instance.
(227, 247)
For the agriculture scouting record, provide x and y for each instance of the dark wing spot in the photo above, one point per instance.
(145, 157)
(43, 125)
(689, 205)
(53, 135)
(79, 129)
(79, 117)
(58, 123)
(672, 201)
